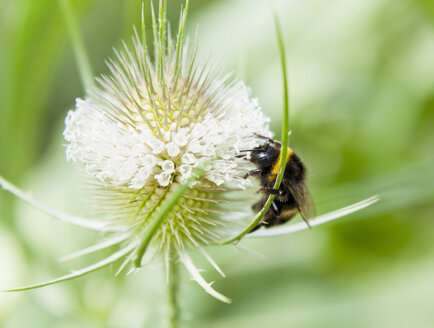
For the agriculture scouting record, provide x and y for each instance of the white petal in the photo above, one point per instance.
(156, 145)
(148, 161)
(168, 166)
(194, 146)
(188, 158)
(163, 178)
(185, 170)
(215, 177)
(172, 149)
(180, 139)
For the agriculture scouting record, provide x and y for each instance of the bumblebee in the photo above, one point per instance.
(292, 197)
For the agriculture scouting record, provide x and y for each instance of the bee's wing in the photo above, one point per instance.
(303, 201)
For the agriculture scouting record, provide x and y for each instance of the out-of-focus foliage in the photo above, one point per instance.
(362, 115)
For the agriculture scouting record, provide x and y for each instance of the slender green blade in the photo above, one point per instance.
(284, 138)
(79, 273)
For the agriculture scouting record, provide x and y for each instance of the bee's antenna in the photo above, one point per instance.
(247, 150)
(266, 138)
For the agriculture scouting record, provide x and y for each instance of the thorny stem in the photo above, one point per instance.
(172, 290)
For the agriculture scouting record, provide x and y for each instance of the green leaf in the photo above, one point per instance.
(287, 229)
(78, 221)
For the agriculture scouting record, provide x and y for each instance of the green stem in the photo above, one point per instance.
(285, 111)
(172, 290)
(77, 45)
(284, 138)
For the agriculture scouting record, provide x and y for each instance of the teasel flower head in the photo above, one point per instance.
(145, 129)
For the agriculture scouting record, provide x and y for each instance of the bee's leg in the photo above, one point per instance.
(252, 173)
(285, 216)
(270, 191)
(271, 216)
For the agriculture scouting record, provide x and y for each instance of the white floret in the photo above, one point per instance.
(126, 145)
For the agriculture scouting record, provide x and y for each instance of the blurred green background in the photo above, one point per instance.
(362, 115)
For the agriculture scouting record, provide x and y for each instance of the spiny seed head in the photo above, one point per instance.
(150, 123)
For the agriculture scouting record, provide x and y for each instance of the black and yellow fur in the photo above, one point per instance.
(292, 197)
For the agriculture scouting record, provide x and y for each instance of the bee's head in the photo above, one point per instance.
(264, 155)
